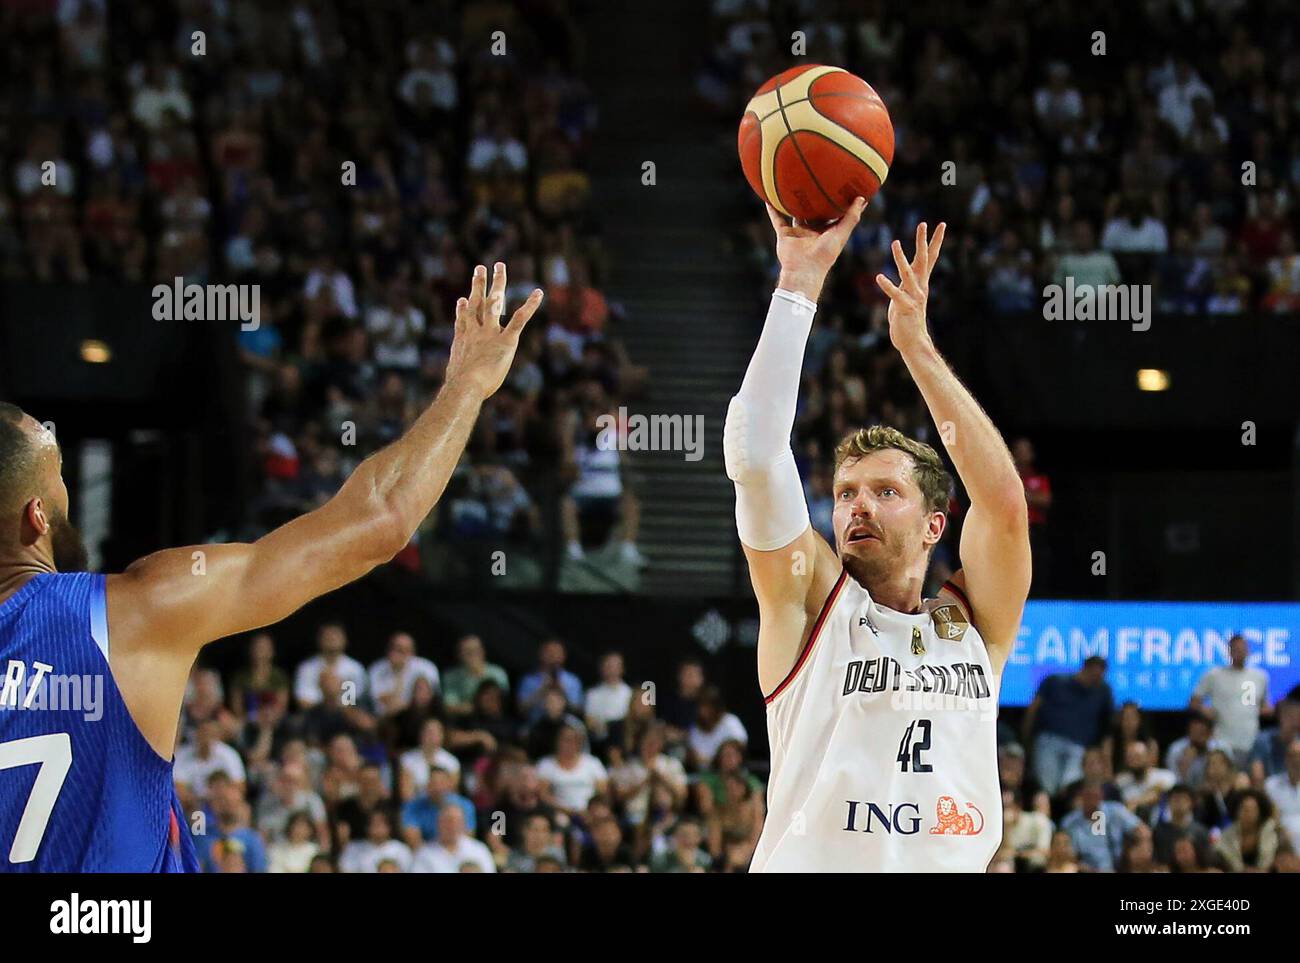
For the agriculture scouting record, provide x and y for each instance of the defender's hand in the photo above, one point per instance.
(807, 255)
(907, 302)
(481, 349)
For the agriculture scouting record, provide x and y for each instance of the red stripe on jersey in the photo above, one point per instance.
(961, 597)
(812, 637)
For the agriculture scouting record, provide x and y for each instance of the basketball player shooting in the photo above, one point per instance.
(881, 705)
(93, 792)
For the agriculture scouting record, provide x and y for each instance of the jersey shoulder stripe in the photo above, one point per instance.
(951, 587)
(812, 637)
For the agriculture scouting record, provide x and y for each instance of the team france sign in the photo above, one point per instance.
(1156, 651)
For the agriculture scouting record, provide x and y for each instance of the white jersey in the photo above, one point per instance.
(884, 744)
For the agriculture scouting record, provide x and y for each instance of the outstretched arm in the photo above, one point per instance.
(995, 537)
(166, 606)
(791, 567)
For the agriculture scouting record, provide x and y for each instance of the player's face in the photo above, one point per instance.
(880, 519)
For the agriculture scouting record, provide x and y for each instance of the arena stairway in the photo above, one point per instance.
(689, 310)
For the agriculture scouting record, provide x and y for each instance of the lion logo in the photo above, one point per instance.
(953, 822)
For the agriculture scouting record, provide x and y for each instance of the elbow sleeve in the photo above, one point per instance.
(771, 511)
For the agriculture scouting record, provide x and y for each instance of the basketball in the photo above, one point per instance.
(812, 139)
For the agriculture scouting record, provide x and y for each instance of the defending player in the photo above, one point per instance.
(84, 791)
(881, 705)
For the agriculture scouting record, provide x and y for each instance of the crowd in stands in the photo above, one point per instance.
(355, 163)
(1097, 794)
(1170, 157)
(401, 766)
(406, 766)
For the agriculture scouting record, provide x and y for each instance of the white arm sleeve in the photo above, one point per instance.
(770, 508)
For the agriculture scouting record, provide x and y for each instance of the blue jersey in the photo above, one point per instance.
(81, 790)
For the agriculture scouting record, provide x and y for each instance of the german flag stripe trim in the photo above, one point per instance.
(812, 637)
(961, 597)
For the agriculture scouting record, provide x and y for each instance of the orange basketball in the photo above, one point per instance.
(812, 139)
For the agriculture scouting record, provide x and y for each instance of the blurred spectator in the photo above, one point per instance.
(229, 829)
(607, 703)
(205, 701)
(819, 492)
(1098, 828)
(1134, 230)
(452, 848)
(540, 842)
(296, 850)
(677, 707)
(1283, 277)
(523, 798)
(1141, 783)
(729, 761)
(633, 782)
(332, 641)
(333, 715)
(1175, 820)
(1138, 855)
(420, 816)
(543, 732)
(551, 656)
(1186, 756)
(461, 684)
(1283, 790)
(713, 726)
(598, 491)
(1038, 494)
(1062, 857)
(1130, 726)
(1087, 264)
(290, 795)
(367, 795)
(733, 824)
(1268, 757)
(1069, 713)
(365, 855)
(262, 682)
(1096, 772)
(487, 725)
(1236, 695)
(685, 854)
(571, 777)
(1250, 842)
(1218, 789)
(197, 762)
(395, 329)
(606, 852)
(430, 754)
(392, 679)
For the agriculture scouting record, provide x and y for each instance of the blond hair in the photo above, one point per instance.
(928, 470)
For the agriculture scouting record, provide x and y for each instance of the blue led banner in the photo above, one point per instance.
(1156, 650)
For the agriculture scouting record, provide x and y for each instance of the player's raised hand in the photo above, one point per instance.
(482, 350)
(807, 254)
(907, 299)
